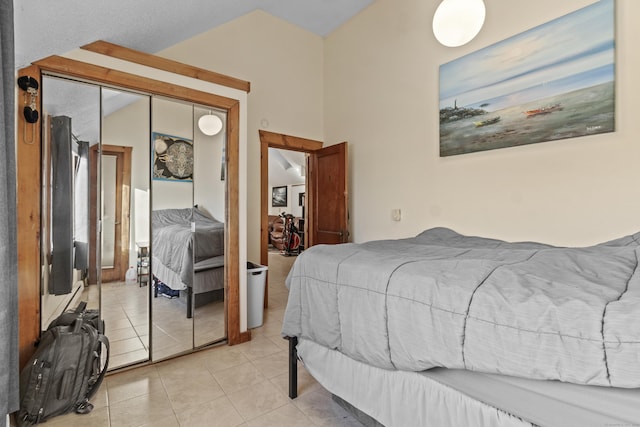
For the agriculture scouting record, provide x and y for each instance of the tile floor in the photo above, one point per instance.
(243, 385)
(125, 312)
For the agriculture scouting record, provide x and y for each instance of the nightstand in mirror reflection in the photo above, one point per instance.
(143, 263)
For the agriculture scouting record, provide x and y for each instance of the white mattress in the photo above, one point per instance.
(443, 397)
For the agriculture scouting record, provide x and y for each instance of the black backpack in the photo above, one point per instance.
(88, 316)
(65, 371)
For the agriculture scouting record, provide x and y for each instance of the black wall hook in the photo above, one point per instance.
(30, 115)
(26, 82)
(30, 85)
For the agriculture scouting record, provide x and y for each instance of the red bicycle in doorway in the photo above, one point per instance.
(291, 236)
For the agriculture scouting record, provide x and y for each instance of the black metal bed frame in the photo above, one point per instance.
(293, 367)
(363, 418)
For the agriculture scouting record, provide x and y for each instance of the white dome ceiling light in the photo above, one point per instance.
(210, 124)
(457, 22)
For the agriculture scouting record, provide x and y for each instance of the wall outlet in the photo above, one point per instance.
(396, 214)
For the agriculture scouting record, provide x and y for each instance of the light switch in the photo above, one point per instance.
(396, 214)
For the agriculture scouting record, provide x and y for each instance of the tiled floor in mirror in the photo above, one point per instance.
(243, 385)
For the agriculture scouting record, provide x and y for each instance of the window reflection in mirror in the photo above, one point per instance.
(123, 206)
(95, 167)
(70, 125)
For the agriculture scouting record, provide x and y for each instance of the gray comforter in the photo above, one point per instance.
(176, 247)
(443, 299)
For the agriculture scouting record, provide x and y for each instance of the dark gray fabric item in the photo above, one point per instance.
(61, 281)
(8, 240)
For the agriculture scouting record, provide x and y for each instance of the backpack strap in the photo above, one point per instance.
(95, 384)
(81, 307)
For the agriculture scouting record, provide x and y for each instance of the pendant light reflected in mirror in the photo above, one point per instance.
(457, 22)
(210, 124)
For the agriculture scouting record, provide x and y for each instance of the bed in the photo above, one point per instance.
(452, 327)
(188, 253)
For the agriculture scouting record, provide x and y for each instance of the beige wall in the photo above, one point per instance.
(374, 83)
(284, 64)
(129, 127)
(381, 95)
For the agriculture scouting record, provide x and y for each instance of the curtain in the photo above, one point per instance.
(61, 280)
(9, 385)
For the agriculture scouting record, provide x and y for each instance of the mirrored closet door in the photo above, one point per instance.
(95, 173)
(122, 206)
(70, 128)
(134, 217)
(209, 193)
(187, 227)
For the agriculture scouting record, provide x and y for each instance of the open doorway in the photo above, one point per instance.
(287, 156)
(286, 213)
(326, 198)
(287, 183)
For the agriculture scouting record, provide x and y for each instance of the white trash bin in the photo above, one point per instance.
(256, 281)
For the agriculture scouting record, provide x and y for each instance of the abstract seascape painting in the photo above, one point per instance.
(552, 82)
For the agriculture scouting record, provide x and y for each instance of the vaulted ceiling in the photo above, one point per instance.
(50, 27)
(286, 167)
(44, 28)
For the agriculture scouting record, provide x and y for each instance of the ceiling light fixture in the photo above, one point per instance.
(210, 124)
(457, 22)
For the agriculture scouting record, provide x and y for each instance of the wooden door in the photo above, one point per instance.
(328, 197)
(118, 225)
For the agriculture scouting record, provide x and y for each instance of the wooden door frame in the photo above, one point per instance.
(284, 142)
(123, 190)
(28, 149)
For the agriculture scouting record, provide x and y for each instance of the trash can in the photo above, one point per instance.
(256, 280)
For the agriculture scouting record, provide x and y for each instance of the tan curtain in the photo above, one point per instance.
(8, 252)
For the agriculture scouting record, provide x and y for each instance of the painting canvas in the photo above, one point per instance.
(172, 158)
(279, 196)
(552, 82)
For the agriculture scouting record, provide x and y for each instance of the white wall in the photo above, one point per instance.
(129, 127)
(209, 190)
(294, 199)
(284, 64)
(374, 83)
(381, 95)
(293, 193)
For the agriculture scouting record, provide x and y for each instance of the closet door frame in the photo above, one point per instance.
(29, 175)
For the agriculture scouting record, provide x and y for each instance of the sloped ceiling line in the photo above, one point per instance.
(44, 28)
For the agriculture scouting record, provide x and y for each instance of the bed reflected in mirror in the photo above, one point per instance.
(172, 187)
(187, 244)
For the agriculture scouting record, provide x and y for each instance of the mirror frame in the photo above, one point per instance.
(29, 175)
